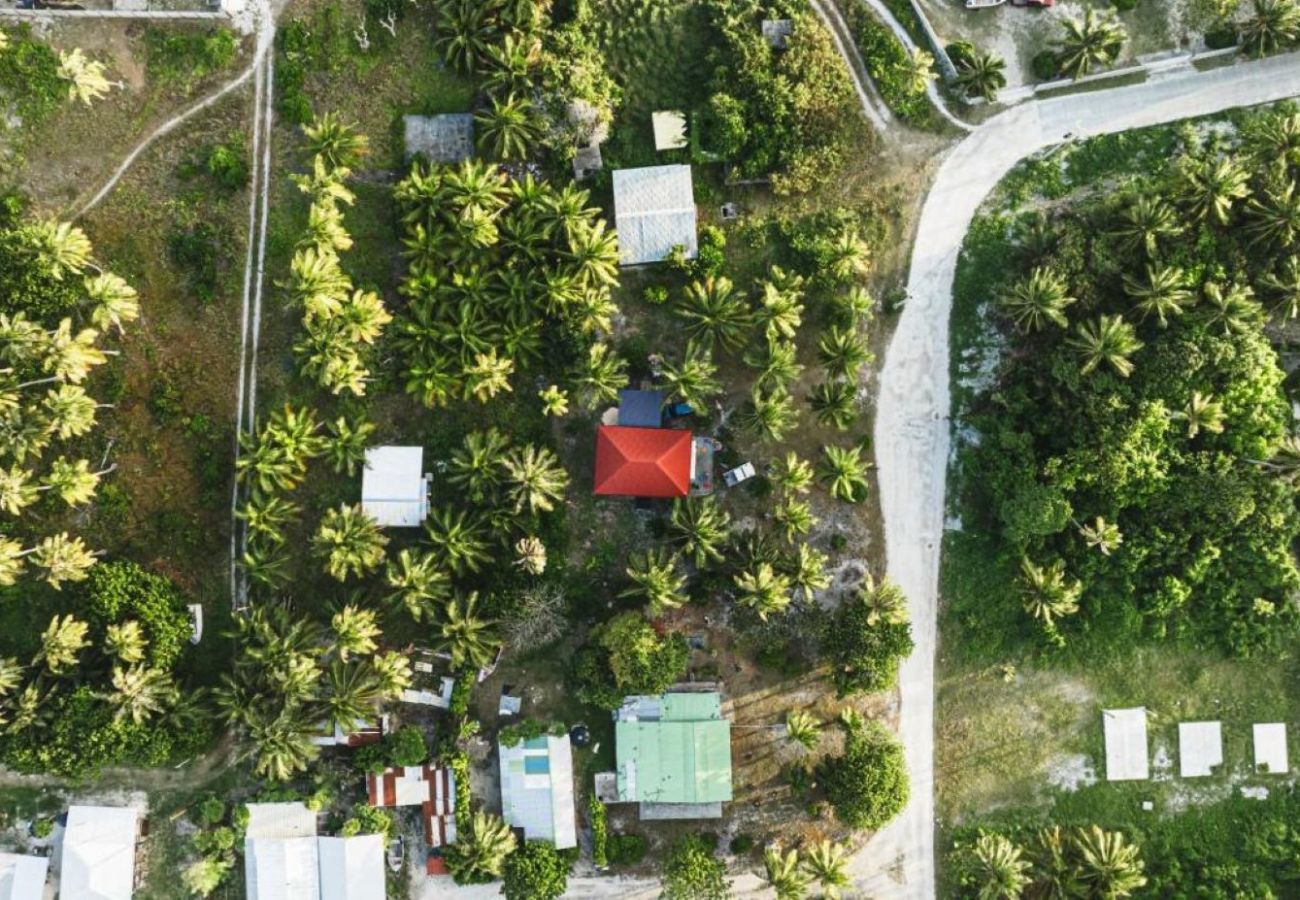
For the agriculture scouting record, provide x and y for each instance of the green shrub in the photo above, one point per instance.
(366, 819)
(887, 61)
(197, 251)
(182, 58)
(117, 591)
(210, 811)
(599, 832)
(29, 77)
(1044, 65)
(867, 785)
(626, 849)
(742, 844)
(228, 165)
(406, 746)
(42, 828)
(535, 872)
(692, 872)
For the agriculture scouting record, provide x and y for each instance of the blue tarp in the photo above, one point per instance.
(640, 409)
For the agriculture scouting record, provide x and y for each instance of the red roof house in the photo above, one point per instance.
(643, 462)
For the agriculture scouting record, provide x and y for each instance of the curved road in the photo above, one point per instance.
(912, 429)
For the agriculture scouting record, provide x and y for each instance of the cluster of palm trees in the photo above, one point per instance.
(494, 265)
(340, 321)
(794, 874)
(1078, 863)
(293, 679)
(44, 404)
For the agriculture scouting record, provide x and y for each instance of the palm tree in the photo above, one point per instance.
(1089, 42)
(508, 128)
(1275, 136)
(480, 852)
(114, 301)
(1235, 309)
(1274, 215)
(1274, 25)
(1283, 288)
(355, 630)
(656, 578)
(982, 75)
(71, 410)
(555, 402)
(782, 872)
(918, 71)
(458, 539)
(266, 565)
(530, 555)
(140, 693)
(1202, 413)
(715, 313)
(791, 474)
(281, 740)
(62, 643)
(803, 728)
(777, 363)
(763, 590)
(1054, 874)
(695, 380)
(87, 78)
(883, 601)
(59, 247)
(1208, 188)
(593, 252)
(125, 641)
(392, 673)
(465, 31)
(469, 639)
(350, 541)
(1047, 594)
(11, 675)
(63, 558)
(72, 480)
(511, 65)
(70, 357)
(351, 694)
(600, 376)
(997, 869)
(416, 582)
(477, 466)
(844, 472)
(1106, 339)
(1145, 222)
(793, 516)
(835, 403)
(335, 141)
(827, 863)
(1102, 535)
(850, 257)
(781, 312)
(1109, 866)
(12, 561)
(16, 490)
(853, 307)
(701, 528)
(362, 318)
(345, 447)
(535, 478)
(1162, 295)
(488, 375)
(842, 352)
(807, 570)
(325, 231)
(769, 415)
(1037, 300)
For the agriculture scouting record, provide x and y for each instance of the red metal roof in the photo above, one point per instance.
(643, 462)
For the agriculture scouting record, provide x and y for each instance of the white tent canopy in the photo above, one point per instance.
(394, 491)
(654, 211)
(22, 877)
(1126, 744)
(1270, 748)
(98, 858)
(1200, 748)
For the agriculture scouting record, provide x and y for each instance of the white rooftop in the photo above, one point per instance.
(280, 820)
(393, 490)
(1126, 744)
(669, 128)
(1200, 748)
(654, 211)
(1270, 749)
(537, 789)
(352, 868)
(98, 857)
(22, 877)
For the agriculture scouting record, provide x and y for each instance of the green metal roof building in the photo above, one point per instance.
(673, 755)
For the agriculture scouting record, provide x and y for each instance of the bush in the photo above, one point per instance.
(626, 849)
(1221, 38)
(887, 63)
(406, 746)
(535, 872)
(117, 591)
(599, 832)
(742, 844)
(197, 250)
(864, 657)
(228, 165)
(29, 77)
(42, 828)
(692, 872)
(366, 819)
(1044, 65)
(183, 58)
(210, 811)
(26, 285)
(867, 785)
(628, 657)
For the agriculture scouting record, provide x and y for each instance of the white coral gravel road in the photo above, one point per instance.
(912, 427)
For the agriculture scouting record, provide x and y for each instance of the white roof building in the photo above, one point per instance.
(654, 211)
(22, 877)
(669, 128)
(537, 789)
(1200, 748)
(98, 858)
(394, 491)
(285, 860)
(1270, 749)
(352, 868)
(1126, 744)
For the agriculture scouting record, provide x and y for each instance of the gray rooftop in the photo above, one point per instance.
(654, 211)
(446, 138)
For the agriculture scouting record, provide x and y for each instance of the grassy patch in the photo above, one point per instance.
(886, 59)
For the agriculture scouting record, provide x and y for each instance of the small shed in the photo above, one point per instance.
(98, 858)
(1200, 748)
(669, 128)
(1126, 744)
(22, 877)
(587, 161)
(446, 138)
(777, 32)
(654, 211)
(640, 409)
(394, 489)
(1270, 748)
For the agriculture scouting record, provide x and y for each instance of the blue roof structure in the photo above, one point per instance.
(640, 409)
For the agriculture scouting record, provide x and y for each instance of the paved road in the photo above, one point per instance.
(912, 429)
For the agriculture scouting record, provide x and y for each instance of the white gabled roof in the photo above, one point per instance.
(1126, 744)
(22, 877)
(537, 789)
(393, 490)
(98, 857)
(1200, 748)
(352, 868)
(281, 869)
(1270, 748)
(280, 820)
(654, 211)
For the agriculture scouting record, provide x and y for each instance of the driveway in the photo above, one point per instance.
(912, 429)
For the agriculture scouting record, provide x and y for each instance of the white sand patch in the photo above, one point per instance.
(1071, 772)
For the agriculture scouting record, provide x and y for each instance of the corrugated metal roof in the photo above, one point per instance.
(352, 868)
(541, 803)
(683, 758)
(1126, 744)
(654, 211)
(689, 707)
(98, 859)
(393, 490)
(22, 877)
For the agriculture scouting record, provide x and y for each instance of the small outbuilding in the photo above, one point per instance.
(22, 877)
(1270, 748)
(640, 409)
(669, 127)
(446, 138)
(394, 488)
(777, 32)
(1200, 748)
(537, 789)
(654, 211)
(98, 857)
(1126, 744)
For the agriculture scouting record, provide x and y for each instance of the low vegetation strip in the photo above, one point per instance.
(899, 76)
